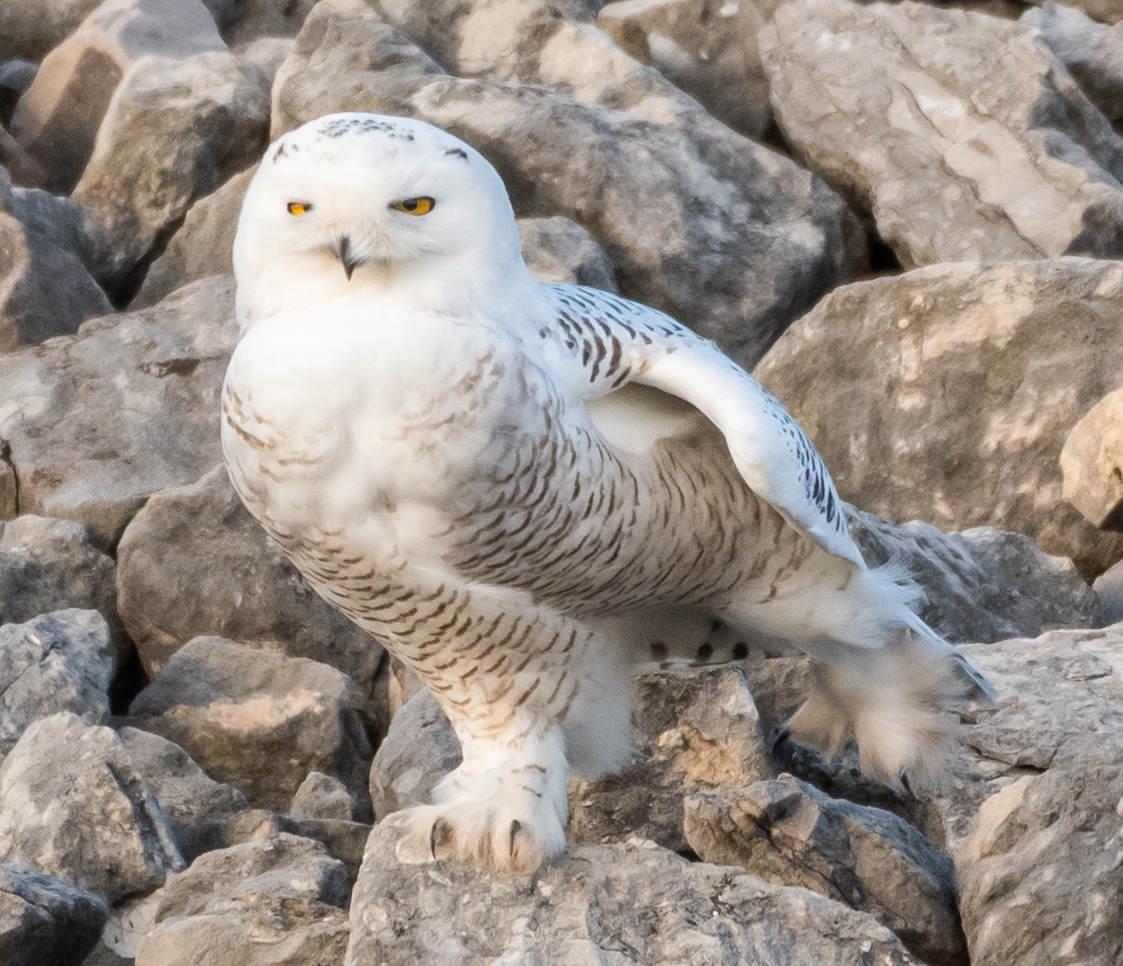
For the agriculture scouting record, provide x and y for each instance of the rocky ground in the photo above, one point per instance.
(907, 217)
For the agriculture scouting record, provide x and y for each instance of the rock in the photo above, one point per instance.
(202, 247)
(1092, 52)
(30, 29)
(46, 920)
(58, 119)
(787, 832)
(21, 166)
(697, 220)
(706, 47)
(1092, 463)
(1105, 11)
(983, 584)
(50, 664)
(631, 902)
(244, 21)
(1039, 876)
(322, 797)
(175, 131)
(197, 807)
(194, 562)
(1109, 588)
(259, 720)
(971, 378)
(16, 76)
(48, 565)
(73, 805)
(97, 422)
(958, 156)
(59, 221)
(44, 290)
(560, 251)
(268, 53)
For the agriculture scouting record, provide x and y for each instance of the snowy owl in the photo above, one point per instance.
(526, 491)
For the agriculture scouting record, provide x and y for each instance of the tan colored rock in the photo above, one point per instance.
(174, 132)
(946, 394)
(58, 119)
(30, 29)
(98, 421)
(1092, 463)
(790, 833)
(259, 720)
(957, 154)
(708, 48)
(579, 129)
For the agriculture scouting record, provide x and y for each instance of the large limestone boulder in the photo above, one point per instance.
(955, 153)
(697, 220)
(46, 920)
(1092, 463)
(946, 394)
(94, 423)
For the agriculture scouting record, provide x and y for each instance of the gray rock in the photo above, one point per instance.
(19, 164)
(59, 221)
(788, 832)
(956, 154)
(175, 131)
(244, 21)
(53, 663)
(268, 53)
(322, 797)
(197, 808)
(1109, 588)
(1092, 463)
(44, 920)
(946, 394)
(194, 562)
(626, 903)
(706, 47)
(1039, 875)
(97, 422)
(557, 250)
(258, 719)
(697, 220)
(983, 584)
(73, 805)
(44, 290)
(30, 29)
(16, 76)
(58, 119)
(48, 565)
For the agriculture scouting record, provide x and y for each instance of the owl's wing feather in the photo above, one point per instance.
(605, 342)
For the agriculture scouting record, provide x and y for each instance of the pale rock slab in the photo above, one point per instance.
(174, 132)
(94, 423)
(54, 663)
(44, 920)
(698, 221)
(58, 119)
(790, 833)
(73, 805)
(956, 154)
(259, 720)
(708, 48)
(946, 394)
(1092, 463)
(629, 903)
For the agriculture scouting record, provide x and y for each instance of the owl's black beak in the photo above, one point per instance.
(343, 253)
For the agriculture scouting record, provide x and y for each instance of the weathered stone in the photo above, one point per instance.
(1109, 588)
(1092, 52)
(174, 132)
(322, 797)
(268, 53)
(53, 663)
(73, 805)
(627, 903)
(31, 29)
(259, 720)
(58, 119)
(16, 76)
(243, 21)
(56, 220)
(196, 806)
(945, 394)
(44, 290)
(1092, 463)
(720, 232)
(44, 920)
(557, 250)
(706, 47)
(194, 562)
(48, 565)
(1040, 875)
(957, 154)
(787, 832)
(21, 166)
(97, 422)
(982, 584)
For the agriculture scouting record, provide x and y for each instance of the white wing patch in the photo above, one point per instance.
(604, 342)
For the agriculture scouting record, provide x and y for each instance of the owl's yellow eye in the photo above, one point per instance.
(415, 206)
(299, 207)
